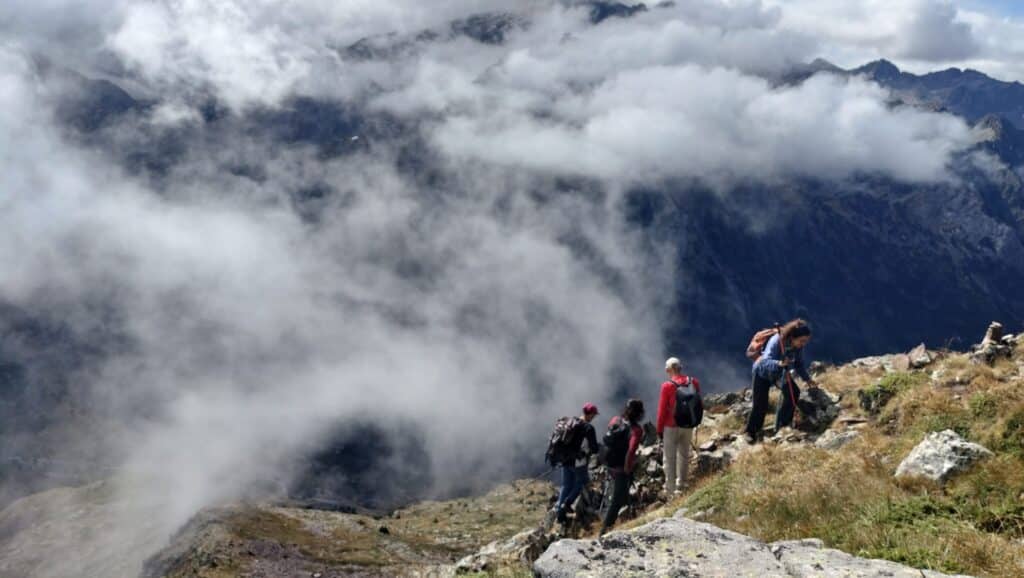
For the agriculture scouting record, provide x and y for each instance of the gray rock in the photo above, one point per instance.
(993, 335)
(940, 456)
(810, 559)
(886, 363)
(714, 400)
(742, 408)
(920, 357)
(833, 440)
(682, 547)
(523, 548)
(818, 409)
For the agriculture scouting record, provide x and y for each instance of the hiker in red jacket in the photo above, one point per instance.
(676, 440)
(622, 443)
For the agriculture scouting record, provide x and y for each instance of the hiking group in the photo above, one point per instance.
(777, 356)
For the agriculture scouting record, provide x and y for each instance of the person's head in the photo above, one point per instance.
(590, 412)
(797, 333)
(673, 367)
(634, 411)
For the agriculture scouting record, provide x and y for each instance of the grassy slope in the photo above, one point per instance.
(850, 499)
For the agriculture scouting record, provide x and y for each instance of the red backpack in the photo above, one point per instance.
(758, 342)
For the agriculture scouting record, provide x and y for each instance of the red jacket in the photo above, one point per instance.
(636, 437)
(667, 402)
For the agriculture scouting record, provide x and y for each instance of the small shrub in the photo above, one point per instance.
(983, 405)
(1013, 432)
(874, 398)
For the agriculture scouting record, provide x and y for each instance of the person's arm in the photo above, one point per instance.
(592, 445)
(769, 365)
(635, 437)
(696, 385)
(801, 369)
(665, 406)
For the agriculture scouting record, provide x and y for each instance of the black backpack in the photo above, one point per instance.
(689, 405)
(565, 440)
(615, 444)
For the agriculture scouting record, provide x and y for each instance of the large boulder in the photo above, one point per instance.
(811, 559)
(818, 409)
(940, 456)
(682, 547)
(523, 548)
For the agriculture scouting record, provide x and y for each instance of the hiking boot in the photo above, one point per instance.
(750, 438)
(562, 516)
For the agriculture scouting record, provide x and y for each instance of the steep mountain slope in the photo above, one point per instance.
(831, 484)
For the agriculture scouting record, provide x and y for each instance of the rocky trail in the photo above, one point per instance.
(679, 546)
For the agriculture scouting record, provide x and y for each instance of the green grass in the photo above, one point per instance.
(851, 500)
(878, 395)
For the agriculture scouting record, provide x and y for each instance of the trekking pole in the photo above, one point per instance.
(543, 474)
(789, 380)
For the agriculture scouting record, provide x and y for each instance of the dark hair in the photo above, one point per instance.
(795, 329)
(634, 410)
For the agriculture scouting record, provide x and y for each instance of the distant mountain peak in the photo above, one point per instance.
(879, 70)
(821, 63)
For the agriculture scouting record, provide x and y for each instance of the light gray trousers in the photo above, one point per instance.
(677, 456)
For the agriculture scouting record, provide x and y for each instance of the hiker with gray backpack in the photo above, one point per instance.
(680, 411)
(777, 354)
(570, 447)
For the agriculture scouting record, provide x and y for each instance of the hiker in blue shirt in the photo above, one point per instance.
(783, 353)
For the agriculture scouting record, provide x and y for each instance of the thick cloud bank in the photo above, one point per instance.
(467, 295)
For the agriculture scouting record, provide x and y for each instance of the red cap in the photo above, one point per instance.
(589, 408)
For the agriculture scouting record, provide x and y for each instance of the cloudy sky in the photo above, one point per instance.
(468, 305)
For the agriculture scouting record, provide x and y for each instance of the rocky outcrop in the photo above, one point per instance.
(682, 547)
(523, 548)
(994, 346)
(940, 456)
(818, 409)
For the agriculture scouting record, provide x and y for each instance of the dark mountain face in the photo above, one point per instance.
(966, 93)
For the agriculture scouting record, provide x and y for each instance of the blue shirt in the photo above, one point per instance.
(767, 367)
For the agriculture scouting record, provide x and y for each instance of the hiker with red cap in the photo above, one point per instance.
(622, 442)
(677, 393)
(581, 443)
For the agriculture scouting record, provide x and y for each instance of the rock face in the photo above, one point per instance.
(833, 440)
(681, 547)
(523, 548)
(941, 455)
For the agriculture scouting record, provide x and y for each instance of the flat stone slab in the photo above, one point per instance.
(677, 547)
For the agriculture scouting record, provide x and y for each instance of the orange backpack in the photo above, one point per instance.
(758, 342)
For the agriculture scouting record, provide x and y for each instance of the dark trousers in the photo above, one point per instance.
(787, 407)
(760, 388)
(617, 497)
(573, 480)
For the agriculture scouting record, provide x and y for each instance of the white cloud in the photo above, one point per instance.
(250, 335)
